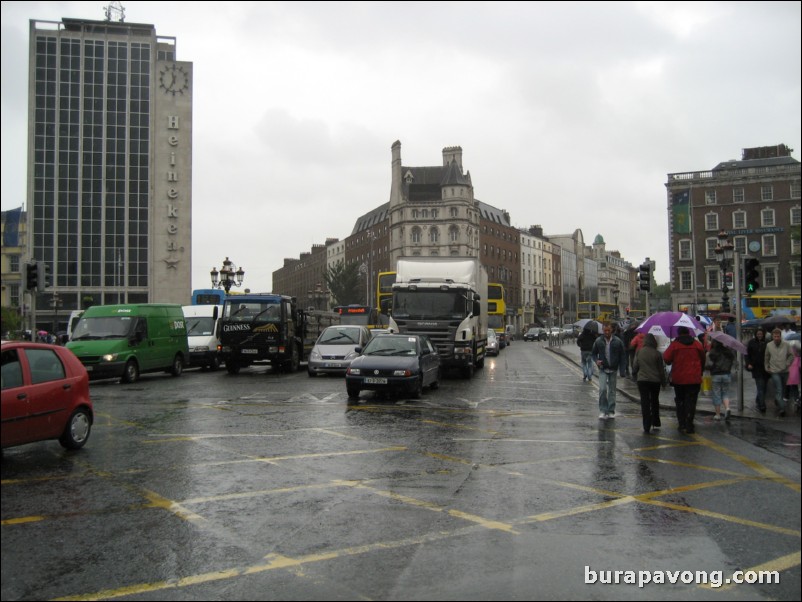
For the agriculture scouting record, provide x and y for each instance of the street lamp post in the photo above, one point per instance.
(228, 276)
(318, 296)
(724, 254)
(616, 293)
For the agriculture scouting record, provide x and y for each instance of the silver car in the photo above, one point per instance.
(335, 349)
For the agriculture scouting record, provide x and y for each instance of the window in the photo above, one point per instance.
(767, 193)
(685, 250)
(770, 277)
(767, 218)
(712, 278)
(740, 244)
(435, 213)
(739, 220)
(737, 195)
(795, 247)
(710, 197)
(416, 235)
(13, 263)
(711, 222)
(711, 244)
(685, 280)
(796, 190)
(796, 216)
(45, 365)
(769, 245)
(434, 235)
(796, 275)
(453, 234)
(454, 212)
(414, 214)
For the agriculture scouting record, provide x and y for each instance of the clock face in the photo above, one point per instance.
(173, 79)
(754, 246)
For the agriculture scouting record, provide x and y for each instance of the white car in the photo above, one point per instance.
(492, 343)
(335, 349)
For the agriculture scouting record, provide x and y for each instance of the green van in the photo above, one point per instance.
(126, 340)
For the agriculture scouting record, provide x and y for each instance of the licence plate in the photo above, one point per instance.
(252, 351)
(371, 380)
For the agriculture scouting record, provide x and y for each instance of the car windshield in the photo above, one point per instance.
(390, 345)
(339, 336)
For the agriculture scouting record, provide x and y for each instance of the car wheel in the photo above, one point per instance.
(131, 372)
(310, 373)
(353, 392)
(178, 365)
(214, 364)
(77, 431)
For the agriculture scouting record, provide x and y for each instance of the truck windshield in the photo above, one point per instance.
(197, 327)
(113, 327)
(430, 305)
(252, 311)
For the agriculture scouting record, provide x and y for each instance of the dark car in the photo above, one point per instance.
(394, 362)
(536, 334)
(45, 395)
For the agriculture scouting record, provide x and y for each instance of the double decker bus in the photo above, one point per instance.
(360, 315)
(758, 307)
(384, 292)
(595, 310)
(496, 307)
(208, 296)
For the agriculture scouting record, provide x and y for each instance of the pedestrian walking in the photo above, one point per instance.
(686, 356)
(794, 376)
(755, 358)
(650, 372)
(608, 354)
(719, 361)
(585, 342)
(777, 361)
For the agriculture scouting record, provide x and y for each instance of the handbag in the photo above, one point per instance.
(707, 383)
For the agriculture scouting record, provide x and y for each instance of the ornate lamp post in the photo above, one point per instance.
(616, 293)
(724, 253)
(317, 297)
(228, 276)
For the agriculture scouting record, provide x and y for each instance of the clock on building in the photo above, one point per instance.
(173, 79)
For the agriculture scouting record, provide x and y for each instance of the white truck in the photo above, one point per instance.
(202, 335)
(444, 299)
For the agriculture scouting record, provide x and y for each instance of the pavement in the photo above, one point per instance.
(629, 389)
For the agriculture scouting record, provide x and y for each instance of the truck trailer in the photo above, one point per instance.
(444, 298)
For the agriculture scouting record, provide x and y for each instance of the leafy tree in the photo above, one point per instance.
(11, 320)
(345, 283)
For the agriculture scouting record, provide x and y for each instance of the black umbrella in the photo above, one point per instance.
(777, 320)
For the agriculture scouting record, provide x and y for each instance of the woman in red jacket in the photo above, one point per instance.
(686, 356)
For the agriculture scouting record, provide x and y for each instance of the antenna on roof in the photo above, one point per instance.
(115, 12)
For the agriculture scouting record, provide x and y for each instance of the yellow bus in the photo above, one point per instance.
(496, 308)
(757, 307)
(384, 291)
(595, 310)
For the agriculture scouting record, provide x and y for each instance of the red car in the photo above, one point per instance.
(45, 395)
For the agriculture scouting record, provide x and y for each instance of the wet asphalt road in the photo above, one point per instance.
(272, 486)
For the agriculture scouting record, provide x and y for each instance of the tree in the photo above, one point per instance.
(11, 320)
(345, 283)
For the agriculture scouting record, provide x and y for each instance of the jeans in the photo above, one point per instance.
(721, 388)
(760, 392)
(587, 364)
(685, 397)
(778, 380)
(607, 391)
(649, 404)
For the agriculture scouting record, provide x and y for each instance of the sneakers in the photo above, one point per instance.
(727, 414)
(603, 416)
(611, 415)
(717, 417)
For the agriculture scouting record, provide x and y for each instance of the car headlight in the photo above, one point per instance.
(109, 357)
(315, 355)
(354, 372)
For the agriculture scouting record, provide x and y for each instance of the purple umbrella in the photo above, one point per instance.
(667, 323)
(728, 341)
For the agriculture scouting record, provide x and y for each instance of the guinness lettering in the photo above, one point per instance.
(236, 327)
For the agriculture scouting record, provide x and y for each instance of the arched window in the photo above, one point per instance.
(434, 235)
(453, 234)
(416, 235)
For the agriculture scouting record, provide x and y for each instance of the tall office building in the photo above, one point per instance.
(109, 164)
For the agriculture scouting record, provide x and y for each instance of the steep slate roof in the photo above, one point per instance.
(371, 218)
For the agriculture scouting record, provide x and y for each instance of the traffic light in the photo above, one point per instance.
(645, 276)
(45, 276)
(32, 276)
(751, 275)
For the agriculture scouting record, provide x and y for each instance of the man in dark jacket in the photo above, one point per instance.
(608, 355)
(585, 342)
(755, 356)
(686, 356)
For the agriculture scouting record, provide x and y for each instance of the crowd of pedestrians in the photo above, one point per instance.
(684, 364)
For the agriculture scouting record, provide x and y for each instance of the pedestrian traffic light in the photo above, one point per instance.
(32, 276)
(645, 276)
(751, 275)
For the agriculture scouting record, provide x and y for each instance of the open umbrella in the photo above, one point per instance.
(594, 325)
(728, 341)
(777, 320)
(667, 323)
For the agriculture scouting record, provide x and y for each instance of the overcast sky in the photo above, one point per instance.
(570, 115)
